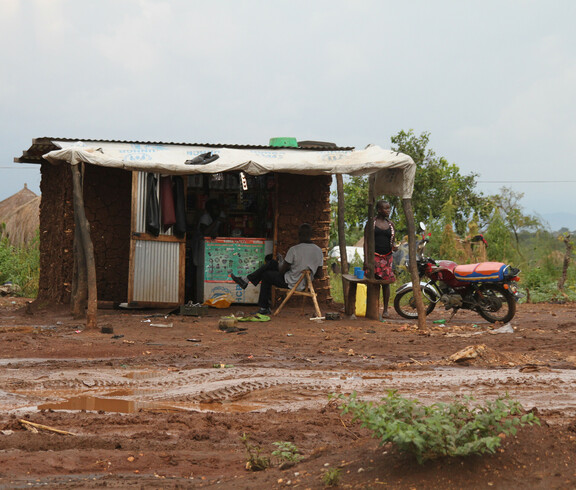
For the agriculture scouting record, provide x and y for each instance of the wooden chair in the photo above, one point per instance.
(308, 291)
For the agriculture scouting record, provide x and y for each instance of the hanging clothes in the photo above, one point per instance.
(167, 203)
(179, 206)
(152, 206)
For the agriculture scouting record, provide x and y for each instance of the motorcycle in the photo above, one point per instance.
(488, 288)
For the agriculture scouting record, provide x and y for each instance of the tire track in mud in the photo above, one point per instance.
(279, 388)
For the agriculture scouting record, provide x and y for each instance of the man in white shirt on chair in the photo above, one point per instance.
(305, 255)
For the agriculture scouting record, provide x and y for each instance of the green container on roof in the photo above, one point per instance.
(284, 142)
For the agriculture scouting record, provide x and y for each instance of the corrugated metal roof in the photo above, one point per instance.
(41, 146)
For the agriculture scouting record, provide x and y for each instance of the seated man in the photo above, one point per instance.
(305, 255)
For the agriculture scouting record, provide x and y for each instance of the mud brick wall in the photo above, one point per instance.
(107, 203)
(305, 199)
(56, 234)
(107, 196)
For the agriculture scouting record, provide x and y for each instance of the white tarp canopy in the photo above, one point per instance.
(394, 171)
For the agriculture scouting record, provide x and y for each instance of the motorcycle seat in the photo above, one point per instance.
(482, 272)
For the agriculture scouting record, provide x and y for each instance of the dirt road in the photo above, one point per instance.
(163, 400)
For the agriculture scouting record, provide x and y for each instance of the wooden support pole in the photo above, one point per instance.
(79, 295)
(412, 266)
(342, 235)
(82, 222)
(372, 290)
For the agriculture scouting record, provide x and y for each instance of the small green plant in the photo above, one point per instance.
(287, 452)
(254, 460)
(331, 477)
(460, 428)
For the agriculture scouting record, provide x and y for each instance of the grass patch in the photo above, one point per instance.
(21, 267)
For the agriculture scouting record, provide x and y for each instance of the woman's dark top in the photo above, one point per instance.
(382, 240)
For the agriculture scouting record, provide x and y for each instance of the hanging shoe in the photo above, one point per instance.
(202, 159)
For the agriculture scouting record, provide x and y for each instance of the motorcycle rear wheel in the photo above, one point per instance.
(495, 304)
(405, 304)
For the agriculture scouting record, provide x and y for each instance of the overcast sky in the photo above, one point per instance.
(494, 82)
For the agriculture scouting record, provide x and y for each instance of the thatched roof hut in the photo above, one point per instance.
(20, 215)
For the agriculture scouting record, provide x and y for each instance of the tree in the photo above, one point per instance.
(450, 246)
(436, 181)
(508, 204)
(356, 192)
(499, 239)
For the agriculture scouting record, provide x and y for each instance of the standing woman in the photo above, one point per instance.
(384, 245)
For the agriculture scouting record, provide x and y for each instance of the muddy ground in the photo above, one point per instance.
(163, 400)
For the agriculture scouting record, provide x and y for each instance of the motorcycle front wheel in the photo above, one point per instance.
(495, 304)
(405, 304)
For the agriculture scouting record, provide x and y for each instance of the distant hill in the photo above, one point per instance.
(560, 220)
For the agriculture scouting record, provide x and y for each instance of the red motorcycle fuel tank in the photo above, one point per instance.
(444, 272)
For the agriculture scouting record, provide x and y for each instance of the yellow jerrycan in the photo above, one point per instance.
(361, 293)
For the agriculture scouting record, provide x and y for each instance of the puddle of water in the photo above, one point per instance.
(94, 403)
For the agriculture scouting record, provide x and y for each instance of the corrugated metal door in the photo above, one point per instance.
(156, 263)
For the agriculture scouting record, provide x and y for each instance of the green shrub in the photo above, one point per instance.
(442, 429)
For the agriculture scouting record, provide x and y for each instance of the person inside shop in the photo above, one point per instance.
(211, 224)
(285, 272)
(384, 245)
(212, 220)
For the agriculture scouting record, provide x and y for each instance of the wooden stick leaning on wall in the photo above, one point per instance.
(82, 224)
